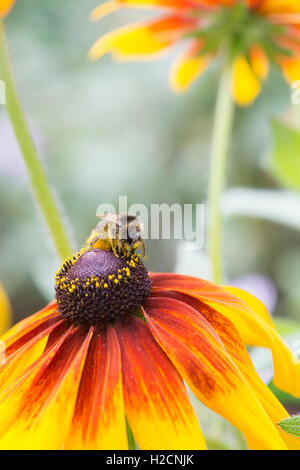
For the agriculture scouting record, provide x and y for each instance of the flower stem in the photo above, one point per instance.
(41, 189)
(130, 437)
(220, 145)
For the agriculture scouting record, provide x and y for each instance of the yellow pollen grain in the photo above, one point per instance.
(116, 281)
(105, 285)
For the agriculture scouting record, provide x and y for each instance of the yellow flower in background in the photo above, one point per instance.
(253, 33)
(5, 7)
(5, 311)
(119, 341)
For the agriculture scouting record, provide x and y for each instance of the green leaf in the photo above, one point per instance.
(291, 425)
(286, 155)
(279, 206)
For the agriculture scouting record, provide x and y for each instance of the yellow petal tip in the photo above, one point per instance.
(5, 311)
(103, 10)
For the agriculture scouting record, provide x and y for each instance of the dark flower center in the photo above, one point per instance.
(97, 286)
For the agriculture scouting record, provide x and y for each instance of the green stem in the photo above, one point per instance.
(130, 437)
(220, 145)
(41, 189)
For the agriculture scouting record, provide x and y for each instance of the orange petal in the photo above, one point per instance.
(219, 3)
(202, 360)
(156, 401)
(32, 406)
(235, 346)
(190, 285)
(254, 3)
(259, 62)
(187, 68)
(291, 68)
(114, 5)
(104, 9)
(257, 329)
(31, 331)
(17, 360)
(251, 324)
(141, 40)
(99, 416)
(209, 292)
(50, 309)
(279, 6)
(5, 7)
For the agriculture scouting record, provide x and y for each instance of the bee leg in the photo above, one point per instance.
(91, 243)
(125, 249)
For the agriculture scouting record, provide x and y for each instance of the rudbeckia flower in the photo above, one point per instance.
(119, 342)
(5, 7)
(252, 32)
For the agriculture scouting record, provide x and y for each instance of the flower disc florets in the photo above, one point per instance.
(97, 286)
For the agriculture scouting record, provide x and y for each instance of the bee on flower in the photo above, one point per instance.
(118, 343)
(121, 233)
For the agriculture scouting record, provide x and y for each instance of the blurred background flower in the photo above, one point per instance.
(250, 32)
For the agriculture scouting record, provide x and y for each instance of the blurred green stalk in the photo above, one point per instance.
(40, 185)
(220, 144)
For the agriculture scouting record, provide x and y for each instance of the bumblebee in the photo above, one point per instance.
(122, 234)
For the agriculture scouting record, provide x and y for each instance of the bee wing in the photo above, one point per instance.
(109, 217)
(109, 224)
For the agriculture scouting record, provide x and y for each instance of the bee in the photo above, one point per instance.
(122, 234)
